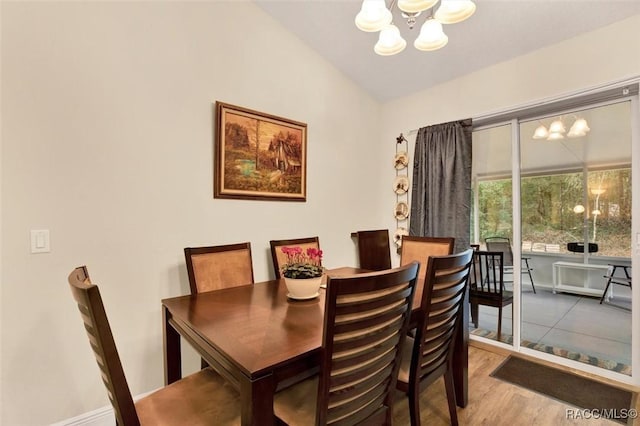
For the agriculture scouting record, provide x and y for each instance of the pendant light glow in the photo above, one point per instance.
(556, 131)
(415, 6)
(390, 41)
(541, 132)
(454, 11)
(557, 127)
(431, 36)
(373, 16)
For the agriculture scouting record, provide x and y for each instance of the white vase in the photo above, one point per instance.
(305, 288)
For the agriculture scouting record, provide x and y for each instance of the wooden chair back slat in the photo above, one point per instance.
(441, 311)
(487, 276)
(366, 320)
(486, 285)
(89, 301)
(202, 398)
(442, 302)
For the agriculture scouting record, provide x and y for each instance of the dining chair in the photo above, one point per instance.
(421, 248)
(503, 244)
(429, 355)
(200, 398)
(279, 258)
(486, 285)
(366, 318)
(374, 251)
(217, 267)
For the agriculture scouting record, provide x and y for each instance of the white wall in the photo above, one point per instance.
(591, 60)
(107, 141)
(1, 322)
(608, 54)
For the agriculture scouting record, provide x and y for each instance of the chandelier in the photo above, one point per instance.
(556, 130)
(375, 16)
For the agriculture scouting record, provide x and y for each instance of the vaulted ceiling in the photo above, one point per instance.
(498, 31)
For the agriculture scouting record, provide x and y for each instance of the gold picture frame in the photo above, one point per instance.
(259, 156)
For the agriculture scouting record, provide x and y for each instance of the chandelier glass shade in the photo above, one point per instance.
(431, 37)
(579, 128)
(375, 16)
(415, 6)
(557, 130)
(452, 12)
(390, 42)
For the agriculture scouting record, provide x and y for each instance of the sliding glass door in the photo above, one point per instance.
(492, 183)
(558, 185)
(575, 188)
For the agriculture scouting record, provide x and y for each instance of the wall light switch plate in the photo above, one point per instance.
(40, 241)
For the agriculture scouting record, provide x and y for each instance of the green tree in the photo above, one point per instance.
(236, 136)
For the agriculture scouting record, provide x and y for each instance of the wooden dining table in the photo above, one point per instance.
(261, 341)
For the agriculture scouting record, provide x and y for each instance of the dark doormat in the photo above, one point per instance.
(600, 399)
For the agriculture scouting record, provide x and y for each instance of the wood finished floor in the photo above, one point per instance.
(492, 401)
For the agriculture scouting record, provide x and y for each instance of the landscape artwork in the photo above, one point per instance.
(258, 155)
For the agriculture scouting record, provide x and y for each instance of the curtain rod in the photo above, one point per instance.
(466, 122)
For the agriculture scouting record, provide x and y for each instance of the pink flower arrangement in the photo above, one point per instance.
(302, 264)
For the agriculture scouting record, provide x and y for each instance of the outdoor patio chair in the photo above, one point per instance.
(503, 244)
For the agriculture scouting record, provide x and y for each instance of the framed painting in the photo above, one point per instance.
(259, 156)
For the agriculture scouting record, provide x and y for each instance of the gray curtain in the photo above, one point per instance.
(441, 186)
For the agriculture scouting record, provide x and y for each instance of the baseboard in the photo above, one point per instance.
(507, 339)
(489, 347)
(100, 417)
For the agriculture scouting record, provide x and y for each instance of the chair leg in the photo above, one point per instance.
(533, 286)
(474, 314)
(526, 264)
(414, 406)
(451, 396)
(499, 323)
(604, 294)
(526, 261)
